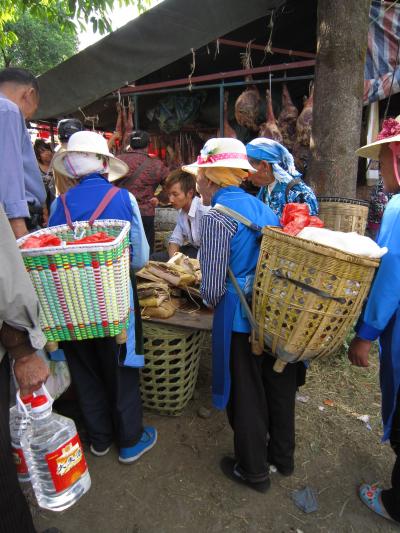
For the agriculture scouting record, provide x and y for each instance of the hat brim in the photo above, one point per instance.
(194, 167)
(118, 169)
(373, 150)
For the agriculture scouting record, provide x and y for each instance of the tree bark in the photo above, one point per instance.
(338, 93)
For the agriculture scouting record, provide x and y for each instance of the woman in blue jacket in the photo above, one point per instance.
(105, 374)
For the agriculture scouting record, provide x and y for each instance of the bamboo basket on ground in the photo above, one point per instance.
(83, 289)
(172, 357)
(161, 240)
(306, 296)
(344, 214)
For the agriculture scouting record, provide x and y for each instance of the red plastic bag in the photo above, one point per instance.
(100, 236)
(295, 217)
(42, 241)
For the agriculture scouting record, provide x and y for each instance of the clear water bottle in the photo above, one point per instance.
(19, 424)
(53, 451)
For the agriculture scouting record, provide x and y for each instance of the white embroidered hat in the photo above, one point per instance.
(221, 152)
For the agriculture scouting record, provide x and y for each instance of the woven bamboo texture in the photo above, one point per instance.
(344, 214)
(172, 357)
(83, 290)
(161, 240)
(294, 323)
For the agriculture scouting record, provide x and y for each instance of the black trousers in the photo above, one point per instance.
(108, 394)
(261, 410)
(15, 516)
(148, 225)
(391, 497)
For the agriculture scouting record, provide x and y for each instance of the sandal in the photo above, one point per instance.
(371, 496)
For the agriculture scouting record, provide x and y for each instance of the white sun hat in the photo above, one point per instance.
(221, 152)
(90, 142)
(390, 133)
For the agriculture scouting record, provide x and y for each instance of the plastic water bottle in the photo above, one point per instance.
(53, 451)
(19, 424)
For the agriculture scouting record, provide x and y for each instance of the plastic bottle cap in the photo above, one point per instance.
(28, 398)
(39, 401)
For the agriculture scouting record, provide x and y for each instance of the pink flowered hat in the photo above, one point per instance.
(221, 152)
(390, 133)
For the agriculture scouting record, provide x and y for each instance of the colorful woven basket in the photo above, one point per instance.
(344, 214)
(83, 290)
(295, 323)
(172, 357)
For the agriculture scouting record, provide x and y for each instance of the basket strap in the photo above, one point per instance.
(237, 216)
(103, 204)
(67, 211)
(290, 186)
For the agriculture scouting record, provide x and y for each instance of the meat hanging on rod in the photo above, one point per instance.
(228, 130)
(270, 128)
(287, 119)
(247, 107)
(128, 124)
(301, 148)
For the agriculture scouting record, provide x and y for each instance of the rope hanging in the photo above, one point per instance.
(193, 67)
(93, 120)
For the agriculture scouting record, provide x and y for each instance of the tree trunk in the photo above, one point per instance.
(338, 92)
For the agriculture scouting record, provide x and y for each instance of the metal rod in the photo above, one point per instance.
(218, 85)
(221, 110)
(292, 53)
(218, 76)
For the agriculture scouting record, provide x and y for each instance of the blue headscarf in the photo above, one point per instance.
(278, 156)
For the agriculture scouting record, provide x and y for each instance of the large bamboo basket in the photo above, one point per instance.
(343, 214)
(294, 323)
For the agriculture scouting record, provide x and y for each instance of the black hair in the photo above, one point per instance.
(39, 145)
(139, 139)
(19, 76)
(186, 181)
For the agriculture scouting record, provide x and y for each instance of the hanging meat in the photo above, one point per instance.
(287, 119)
(247, 107)
(304, 122)
(228, 130)
(128, 124)
(270, 128)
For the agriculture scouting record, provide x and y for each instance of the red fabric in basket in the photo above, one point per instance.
(295, 217)
(41, 241)
(100, 236)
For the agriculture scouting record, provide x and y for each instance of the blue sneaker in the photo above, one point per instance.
(146, 442)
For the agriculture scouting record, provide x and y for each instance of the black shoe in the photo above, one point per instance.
(228, 464)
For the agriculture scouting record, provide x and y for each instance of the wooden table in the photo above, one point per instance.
(200, 320)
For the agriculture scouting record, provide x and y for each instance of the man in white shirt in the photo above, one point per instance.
(181, 189)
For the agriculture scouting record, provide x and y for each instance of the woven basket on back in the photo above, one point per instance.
(297, 324)
(343, 214)
(172, 357)
(83, 289)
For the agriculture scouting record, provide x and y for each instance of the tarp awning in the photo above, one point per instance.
(156, 38)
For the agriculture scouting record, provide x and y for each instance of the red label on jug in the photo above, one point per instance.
(67, 464)
(19, 461)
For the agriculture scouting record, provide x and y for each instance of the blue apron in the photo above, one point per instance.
(82, 201)
(229, 315)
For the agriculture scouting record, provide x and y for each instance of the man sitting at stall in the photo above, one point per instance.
(181, 189)
(105, 374)
(260, 403)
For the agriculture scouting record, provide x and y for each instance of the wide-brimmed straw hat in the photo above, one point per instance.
(92, 143)
(221, 152)
(390, 133)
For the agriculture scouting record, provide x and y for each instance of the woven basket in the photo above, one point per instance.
(344, 214)
(160, 240)
(172, 357)
(83, 290)
(297, 324)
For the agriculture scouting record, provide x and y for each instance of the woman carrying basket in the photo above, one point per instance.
(105, 374)
(277, 176)
(381, 317)
(259, 402)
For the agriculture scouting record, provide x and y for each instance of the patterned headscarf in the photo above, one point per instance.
(278, 156)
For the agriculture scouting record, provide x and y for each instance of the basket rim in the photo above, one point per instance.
(342, 199)
(319, 248)
(77, 248)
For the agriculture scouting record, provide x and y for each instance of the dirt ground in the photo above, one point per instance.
(178, 486)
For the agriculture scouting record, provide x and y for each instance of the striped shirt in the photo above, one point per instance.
(217, 231)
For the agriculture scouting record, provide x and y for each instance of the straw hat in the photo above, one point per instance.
(390, 133)
(221, 152)
(92, 143)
